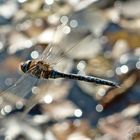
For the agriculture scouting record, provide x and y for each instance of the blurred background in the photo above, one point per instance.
(98, 38)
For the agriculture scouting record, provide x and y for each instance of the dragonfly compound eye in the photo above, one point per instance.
(25, 66)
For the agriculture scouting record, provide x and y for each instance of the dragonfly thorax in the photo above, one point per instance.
(43, 66)
(42, 70)
(39, 69)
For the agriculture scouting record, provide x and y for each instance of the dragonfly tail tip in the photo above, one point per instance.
(117, 85)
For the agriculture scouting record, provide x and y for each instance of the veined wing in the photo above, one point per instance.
(30, 103)
(48, 51)
(18, 91)
(66, 42)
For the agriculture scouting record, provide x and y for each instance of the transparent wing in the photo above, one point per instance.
(65, 39)
(18, 91)
(66, 51)
(48, 51)
(34, 100)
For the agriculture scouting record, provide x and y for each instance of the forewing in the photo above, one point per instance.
(48, 53)
(62, 43)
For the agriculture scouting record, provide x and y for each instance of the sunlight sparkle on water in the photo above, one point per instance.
(66, 29)
(73, 23)
(22, 1)
(49, 2)
(46, 36)
(35, 90)
(8, 108)
(48, 99)
(124, 59)
(101, 91)
(99, 108)
(118, 71)
(34, 54)
(8, 81)
(81, 65)
(28, 44)
(19, 105)
(78, 112)
(64, 19)
(124, 69)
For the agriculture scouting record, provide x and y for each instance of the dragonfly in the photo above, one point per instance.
(43, 68)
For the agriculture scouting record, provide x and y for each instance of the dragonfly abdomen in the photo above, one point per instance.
(56, 74)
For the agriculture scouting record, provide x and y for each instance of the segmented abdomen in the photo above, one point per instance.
(56, 74)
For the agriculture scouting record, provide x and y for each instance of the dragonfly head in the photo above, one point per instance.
(25, 66)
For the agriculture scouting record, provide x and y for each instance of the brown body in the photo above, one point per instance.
(39, 69)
